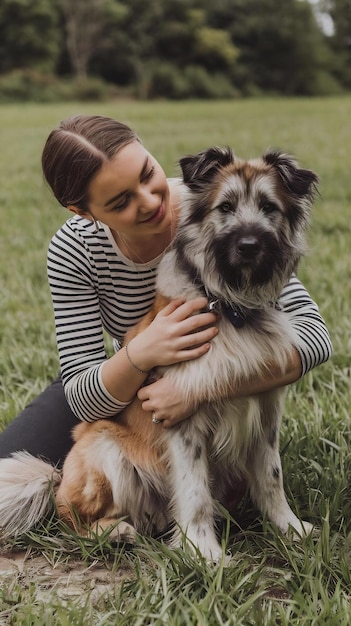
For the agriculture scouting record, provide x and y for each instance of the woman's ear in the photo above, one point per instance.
(74, 209)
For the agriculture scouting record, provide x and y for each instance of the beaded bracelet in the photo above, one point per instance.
(133, 364)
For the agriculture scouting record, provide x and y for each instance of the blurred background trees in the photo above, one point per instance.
(59, 49)
(340, 41)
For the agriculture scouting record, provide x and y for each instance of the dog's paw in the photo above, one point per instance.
(204, 542)
(290, 525)
(118, 532)
(296, 529)
(123, 533)
(300, 530)
(212, 554)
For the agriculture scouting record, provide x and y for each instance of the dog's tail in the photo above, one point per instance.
(26, 490)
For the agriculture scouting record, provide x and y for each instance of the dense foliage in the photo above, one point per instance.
(175, 48)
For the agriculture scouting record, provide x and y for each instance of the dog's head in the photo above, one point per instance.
(243, 227)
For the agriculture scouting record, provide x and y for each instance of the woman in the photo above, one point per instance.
(102, 266)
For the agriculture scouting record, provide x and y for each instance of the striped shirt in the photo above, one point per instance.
(95, 288)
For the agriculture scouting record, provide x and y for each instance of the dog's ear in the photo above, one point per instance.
(200, 168)
(298, 181)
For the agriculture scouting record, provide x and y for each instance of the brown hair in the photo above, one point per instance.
(75, 151)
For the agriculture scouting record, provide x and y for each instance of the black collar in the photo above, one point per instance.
(237, 316)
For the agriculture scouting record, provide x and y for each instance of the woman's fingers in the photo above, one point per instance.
(193, 340)
(165, 401)
(188, 318)
(192, 353)
(196, 322)
(181, 310)
(178, 332)
(172, 306)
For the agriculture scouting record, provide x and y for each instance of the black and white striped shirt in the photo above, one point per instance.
(95, 288)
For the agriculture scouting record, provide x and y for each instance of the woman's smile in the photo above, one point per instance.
(157, 216)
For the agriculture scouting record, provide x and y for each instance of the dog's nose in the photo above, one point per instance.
(248, 246)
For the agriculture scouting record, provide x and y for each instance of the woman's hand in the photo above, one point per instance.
(170, 407)
(180, 332)
(166, 401)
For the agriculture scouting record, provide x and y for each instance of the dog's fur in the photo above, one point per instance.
(240, 237)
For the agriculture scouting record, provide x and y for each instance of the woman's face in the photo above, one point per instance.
(130, 194)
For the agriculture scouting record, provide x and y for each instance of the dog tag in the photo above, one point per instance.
(234, 317)
(214, 306)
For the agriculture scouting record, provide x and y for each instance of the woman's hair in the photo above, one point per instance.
(75, 151)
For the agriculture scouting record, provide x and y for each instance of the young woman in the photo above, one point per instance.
(102, 267)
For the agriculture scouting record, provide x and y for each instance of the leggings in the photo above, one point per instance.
(43, 428)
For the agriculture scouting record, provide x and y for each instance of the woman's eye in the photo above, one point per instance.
(122, 205)
(149, 174)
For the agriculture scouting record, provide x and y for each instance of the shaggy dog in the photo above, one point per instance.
(240, 237)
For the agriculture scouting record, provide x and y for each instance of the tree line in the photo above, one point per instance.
(176, 48)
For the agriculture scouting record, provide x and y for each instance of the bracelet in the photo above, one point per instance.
(133, 364)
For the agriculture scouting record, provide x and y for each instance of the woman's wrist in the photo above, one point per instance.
(132, 362)
(136, 358)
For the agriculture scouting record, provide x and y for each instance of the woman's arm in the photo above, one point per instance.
(97, 386)
(170, 407)
(178, 333)
(315, 345)
(79, 330)
(314, 348)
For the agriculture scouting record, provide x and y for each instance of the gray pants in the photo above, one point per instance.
(43, 428)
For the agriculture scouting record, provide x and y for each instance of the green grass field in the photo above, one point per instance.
(270, 579)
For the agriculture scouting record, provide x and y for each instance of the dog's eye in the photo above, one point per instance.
(226, 207)
(269, 207)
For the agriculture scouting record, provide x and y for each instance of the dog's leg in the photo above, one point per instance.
(193, 506)
(99, 486)
(265, 472)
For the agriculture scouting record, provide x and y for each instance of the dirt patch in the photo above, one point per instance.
(68, 581)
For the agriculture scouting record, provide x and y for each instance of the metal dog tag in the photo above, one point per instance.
(214, 307)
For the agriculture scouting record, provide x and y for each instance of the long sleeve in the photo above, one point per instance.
(79, 329)
(93, 290)
(315, 344)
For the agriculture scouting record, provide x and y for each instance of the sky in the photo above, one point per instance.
(324, 19)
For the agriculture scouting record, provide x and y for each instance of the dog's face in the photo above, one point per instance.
(242, 230)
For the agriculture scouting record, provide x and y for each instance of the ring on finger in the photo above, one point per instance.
(155, 420)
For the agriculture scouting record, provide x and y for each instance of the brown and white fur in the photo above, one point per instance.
(240, 237)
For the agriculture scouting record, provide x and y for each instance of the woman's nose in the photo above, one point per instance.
(149, 202)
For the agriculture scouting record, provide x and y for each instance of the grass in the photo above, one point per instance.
(270, 579)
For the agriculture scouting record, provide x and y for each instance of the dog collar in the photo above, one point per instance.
(238, 317)
(232, 313)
